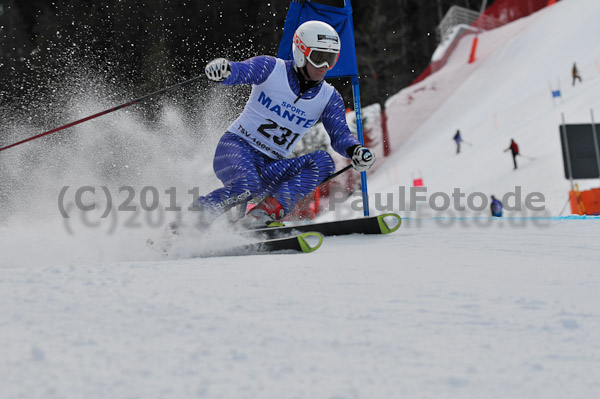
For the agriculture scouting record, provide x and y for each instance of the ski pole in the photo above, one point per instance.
(336, 174)
(328, 178)
(137, 100)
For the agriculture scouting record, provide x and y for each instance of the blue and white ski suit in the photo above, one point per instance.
(250, 158)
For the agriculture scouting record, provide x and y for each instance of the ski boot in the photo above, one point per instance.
(265, 214)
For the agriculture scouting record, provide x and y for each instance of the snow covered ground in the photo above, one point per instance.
(452, 305)
(440, 309)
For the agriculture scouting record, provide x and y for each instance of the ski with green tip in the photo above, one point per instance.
(380, 224)
(305, 242)
(298, 243)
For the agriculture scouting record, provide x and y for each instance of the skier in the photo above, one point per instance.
(514, 149)
(458, 139)
(496, 207)
(287, 98)
(575, 74)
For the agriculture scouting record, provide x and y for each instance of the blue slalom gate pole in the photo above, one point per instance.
(359, 131)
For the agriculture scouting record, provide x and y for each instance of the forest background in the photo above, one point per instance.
(147, 45)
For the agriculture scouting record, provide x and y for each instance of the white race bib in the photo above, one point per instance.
(271, 122)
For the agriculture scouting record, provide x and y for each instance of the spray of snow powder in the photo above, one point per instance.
(96, 191)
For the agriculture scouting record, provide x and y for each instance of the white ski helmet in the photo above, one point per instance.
(316, 42)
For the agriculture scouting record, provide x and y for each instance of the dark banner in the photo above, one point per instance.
(582, 150)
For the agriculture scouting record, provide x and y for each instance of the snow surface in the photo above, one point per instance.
(440, 309)
(452, 305)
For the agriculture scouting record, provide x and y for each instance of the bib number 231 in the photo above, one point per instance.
(279, 135)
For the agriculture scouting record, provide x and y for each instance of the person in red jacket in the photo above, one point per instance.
(514, 149)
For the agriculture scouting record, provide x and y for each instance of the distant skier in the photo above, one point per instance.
(575, 74)
(496, 207)
(287, 99)
(514, 149)
(458, 139)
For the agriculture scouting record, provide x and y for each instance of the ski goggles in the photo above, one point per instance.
(317, 58)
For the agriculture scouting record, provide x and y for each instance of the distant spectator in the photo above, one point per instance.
(575, 73)
(514, 149)
(458, 139)
(496, 207)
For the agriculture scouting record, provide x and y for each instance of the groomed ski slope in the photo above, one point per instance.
(446, 307)
(505, 94)
(439, 309)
